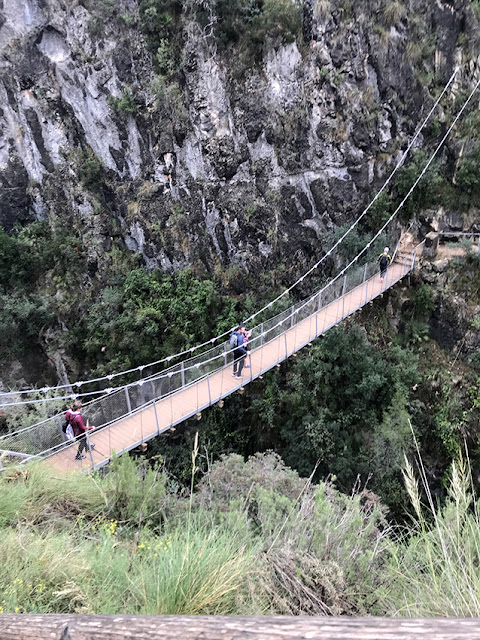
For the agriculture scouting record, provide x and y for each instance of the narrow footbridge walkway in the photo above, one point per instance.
(285, 335)
(129, 415)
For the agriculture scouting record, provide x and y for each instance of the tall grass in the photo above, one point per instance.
(393, 12)
(62, 551)
(36, 493)
(62, 573)
(436, 567)
(262, 541)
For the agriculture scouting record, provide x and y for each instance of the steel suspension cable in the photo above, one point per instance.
(267, 306)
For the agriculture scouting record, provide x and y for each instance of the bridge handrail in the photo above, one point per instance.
(186, 376)
(276, 319)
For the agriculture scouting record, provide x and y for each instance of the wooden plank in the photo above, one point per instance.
(119, 627)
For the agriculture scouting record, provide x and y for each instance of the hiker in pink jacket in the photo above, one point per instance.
(246, 337)
(75, 418)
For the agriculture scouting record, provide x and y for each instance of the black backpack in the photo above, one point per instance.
(384, 262)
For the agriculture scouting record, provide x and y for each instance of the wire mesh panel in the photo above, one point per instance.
(109, 407)
(275, 326)
(355, 277)
(35, 440)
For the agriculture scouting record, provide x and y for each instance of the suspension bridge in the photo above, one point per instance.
(129, 415)
(138, 412)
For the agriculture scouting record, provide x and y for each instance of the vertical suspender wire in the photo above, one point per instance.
(262, 348)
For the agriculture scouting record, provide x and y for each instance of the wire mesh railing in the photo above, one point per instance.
(47, 437)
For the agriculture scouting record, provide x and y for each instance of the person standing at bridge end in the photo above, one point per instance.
(384, 259)
(79, 429)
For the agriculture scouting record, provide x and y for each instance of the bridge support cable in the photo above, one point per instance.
(212, 385)
(211, 341)
(413, 187)
(111, 408)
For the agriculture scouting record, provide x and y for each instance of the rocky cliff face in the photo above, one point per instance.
(254, 165)
(217, 161)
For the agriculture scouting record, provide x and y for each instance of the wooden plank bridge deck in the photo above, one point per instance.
(156, 418)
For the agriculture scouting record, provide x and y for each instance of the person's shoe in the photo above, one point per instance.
(79, 457)
(234, 374)
(247, 366)
(238, 376)
(381, 279)
(92, 446)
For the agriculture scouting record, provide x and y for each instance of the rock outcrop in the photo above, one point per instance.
(192, 153)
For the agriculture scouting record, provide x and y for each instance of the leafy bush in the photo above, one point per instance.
(423, 300)
(25, 260)
(316, 542)
(379, 212)
(159, 21)
(466, 176)
(89, 169)
(141, 309)
(22, 318)
(124, 106)
(255, 25)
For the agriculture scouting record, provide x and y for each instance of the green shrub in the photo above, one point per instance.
(423, 300)
(416, 332)
(466, 176)
(124, 106)
(254, 26)
(380, 212)
(428, 190)
(89, 169)
(159, 20)
(316, 543)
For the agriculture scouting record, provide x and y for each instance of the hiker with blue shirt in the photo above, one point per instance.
(239, 352)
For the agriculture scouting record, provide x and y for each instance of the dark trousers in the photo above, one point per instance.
(238, 362)
(82, 446)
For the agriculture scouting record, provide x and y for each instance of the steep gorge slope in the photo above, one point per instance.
(166, 130)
